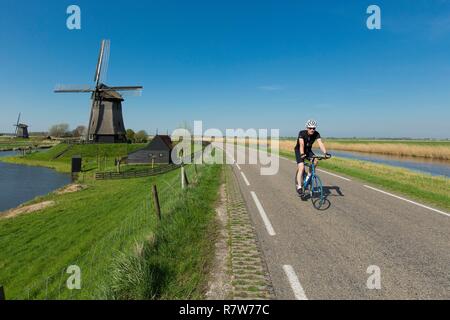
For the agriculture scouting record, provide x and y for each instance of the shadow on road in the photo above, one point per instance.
(328, 191)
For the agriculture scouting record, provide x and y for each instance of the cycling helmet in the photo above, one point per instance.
(311, 124)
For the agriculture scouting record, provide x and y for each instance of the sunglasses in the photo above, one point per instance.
(311, 128)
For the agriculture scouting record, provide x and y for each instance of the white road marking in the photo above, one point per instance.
(238, 166)
(417, 204)
(334, 175)
(263, 215)
(296, 286)
(245, 179)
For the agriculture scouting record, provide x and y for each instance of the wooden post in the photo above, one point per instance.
(156, 202)
(2, 293)
(153, 162)
(185, 178)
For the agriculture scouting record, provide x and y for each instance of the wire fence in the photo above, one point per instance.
(96, 263)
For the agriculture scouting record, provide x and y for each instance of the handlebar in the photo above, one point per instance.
(321, 157)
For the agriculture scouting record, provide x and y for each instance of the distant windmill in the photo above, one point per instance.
(21, 129)
(106, 120)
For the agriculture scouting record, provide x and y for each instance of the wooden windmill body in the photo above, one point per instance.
(21, 129)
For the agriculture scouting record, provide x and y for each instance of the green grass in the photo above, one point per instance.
(8, 143)
(95, 156)
(173, 264)
(422, 187)
(94, 227)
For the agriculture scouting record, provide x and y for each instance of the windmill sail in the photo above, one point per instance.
(17, 125)
(102, 63)
(73, 88)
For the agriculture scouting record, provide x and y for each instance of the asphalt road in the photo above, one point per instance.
(331, 254)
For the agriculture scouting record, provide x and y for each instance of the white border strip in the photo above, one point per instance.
(296, 286)
(334, 175)
(417, 204)
(245, 179)
(263, 215)
(238, 166)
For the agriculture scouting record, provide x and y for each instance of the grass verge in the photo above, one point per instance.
(174, 263)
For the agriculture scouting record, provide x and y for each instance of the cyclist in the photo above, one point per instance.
(303, 150)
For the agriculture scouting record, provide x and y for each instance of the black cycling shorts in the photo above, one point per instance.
(309, 155)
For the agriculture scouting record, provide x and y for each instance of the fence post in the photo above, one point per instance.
(186, 178)
(2, 293)
(156, 201)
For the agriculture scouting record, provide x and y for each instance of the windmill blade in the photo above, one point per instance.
(105, 62)
(99, 63)
(17, 124)
(135, 91)
(128, 88)
(103, 48)
(72, 88)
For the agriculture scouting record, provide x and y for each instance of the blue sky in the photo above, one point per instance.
(235, 64)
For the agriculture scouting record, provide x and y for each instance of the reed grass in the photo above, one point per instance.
(433, 151)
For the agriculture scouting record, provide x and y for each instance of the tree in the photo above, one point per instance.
(141, 136)
(130, 135)
(79, 131)
(59, 130)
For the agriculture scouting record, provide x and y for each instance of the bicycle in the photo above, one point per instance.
(312, 182)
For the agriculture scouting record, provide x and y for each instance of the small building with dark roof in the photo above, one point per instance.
(159, 150)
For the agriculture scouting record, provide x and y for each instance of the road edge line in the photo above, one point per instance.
(407, 200)
(334, 175)
(245, 179)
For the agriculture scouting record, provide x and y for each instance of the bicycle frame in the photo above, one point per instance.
(310, 175)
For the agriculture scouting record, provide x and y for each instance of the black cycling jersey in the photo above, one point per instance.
(308, 140)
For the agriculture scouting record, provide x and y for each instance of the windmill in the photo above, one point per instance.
(21, 129)
(106, 120)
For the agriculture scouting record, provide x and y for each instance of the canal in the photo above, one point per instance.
(20, 183)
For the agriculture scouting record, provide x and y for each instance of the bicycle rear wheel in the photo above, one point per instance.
(316, 192)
